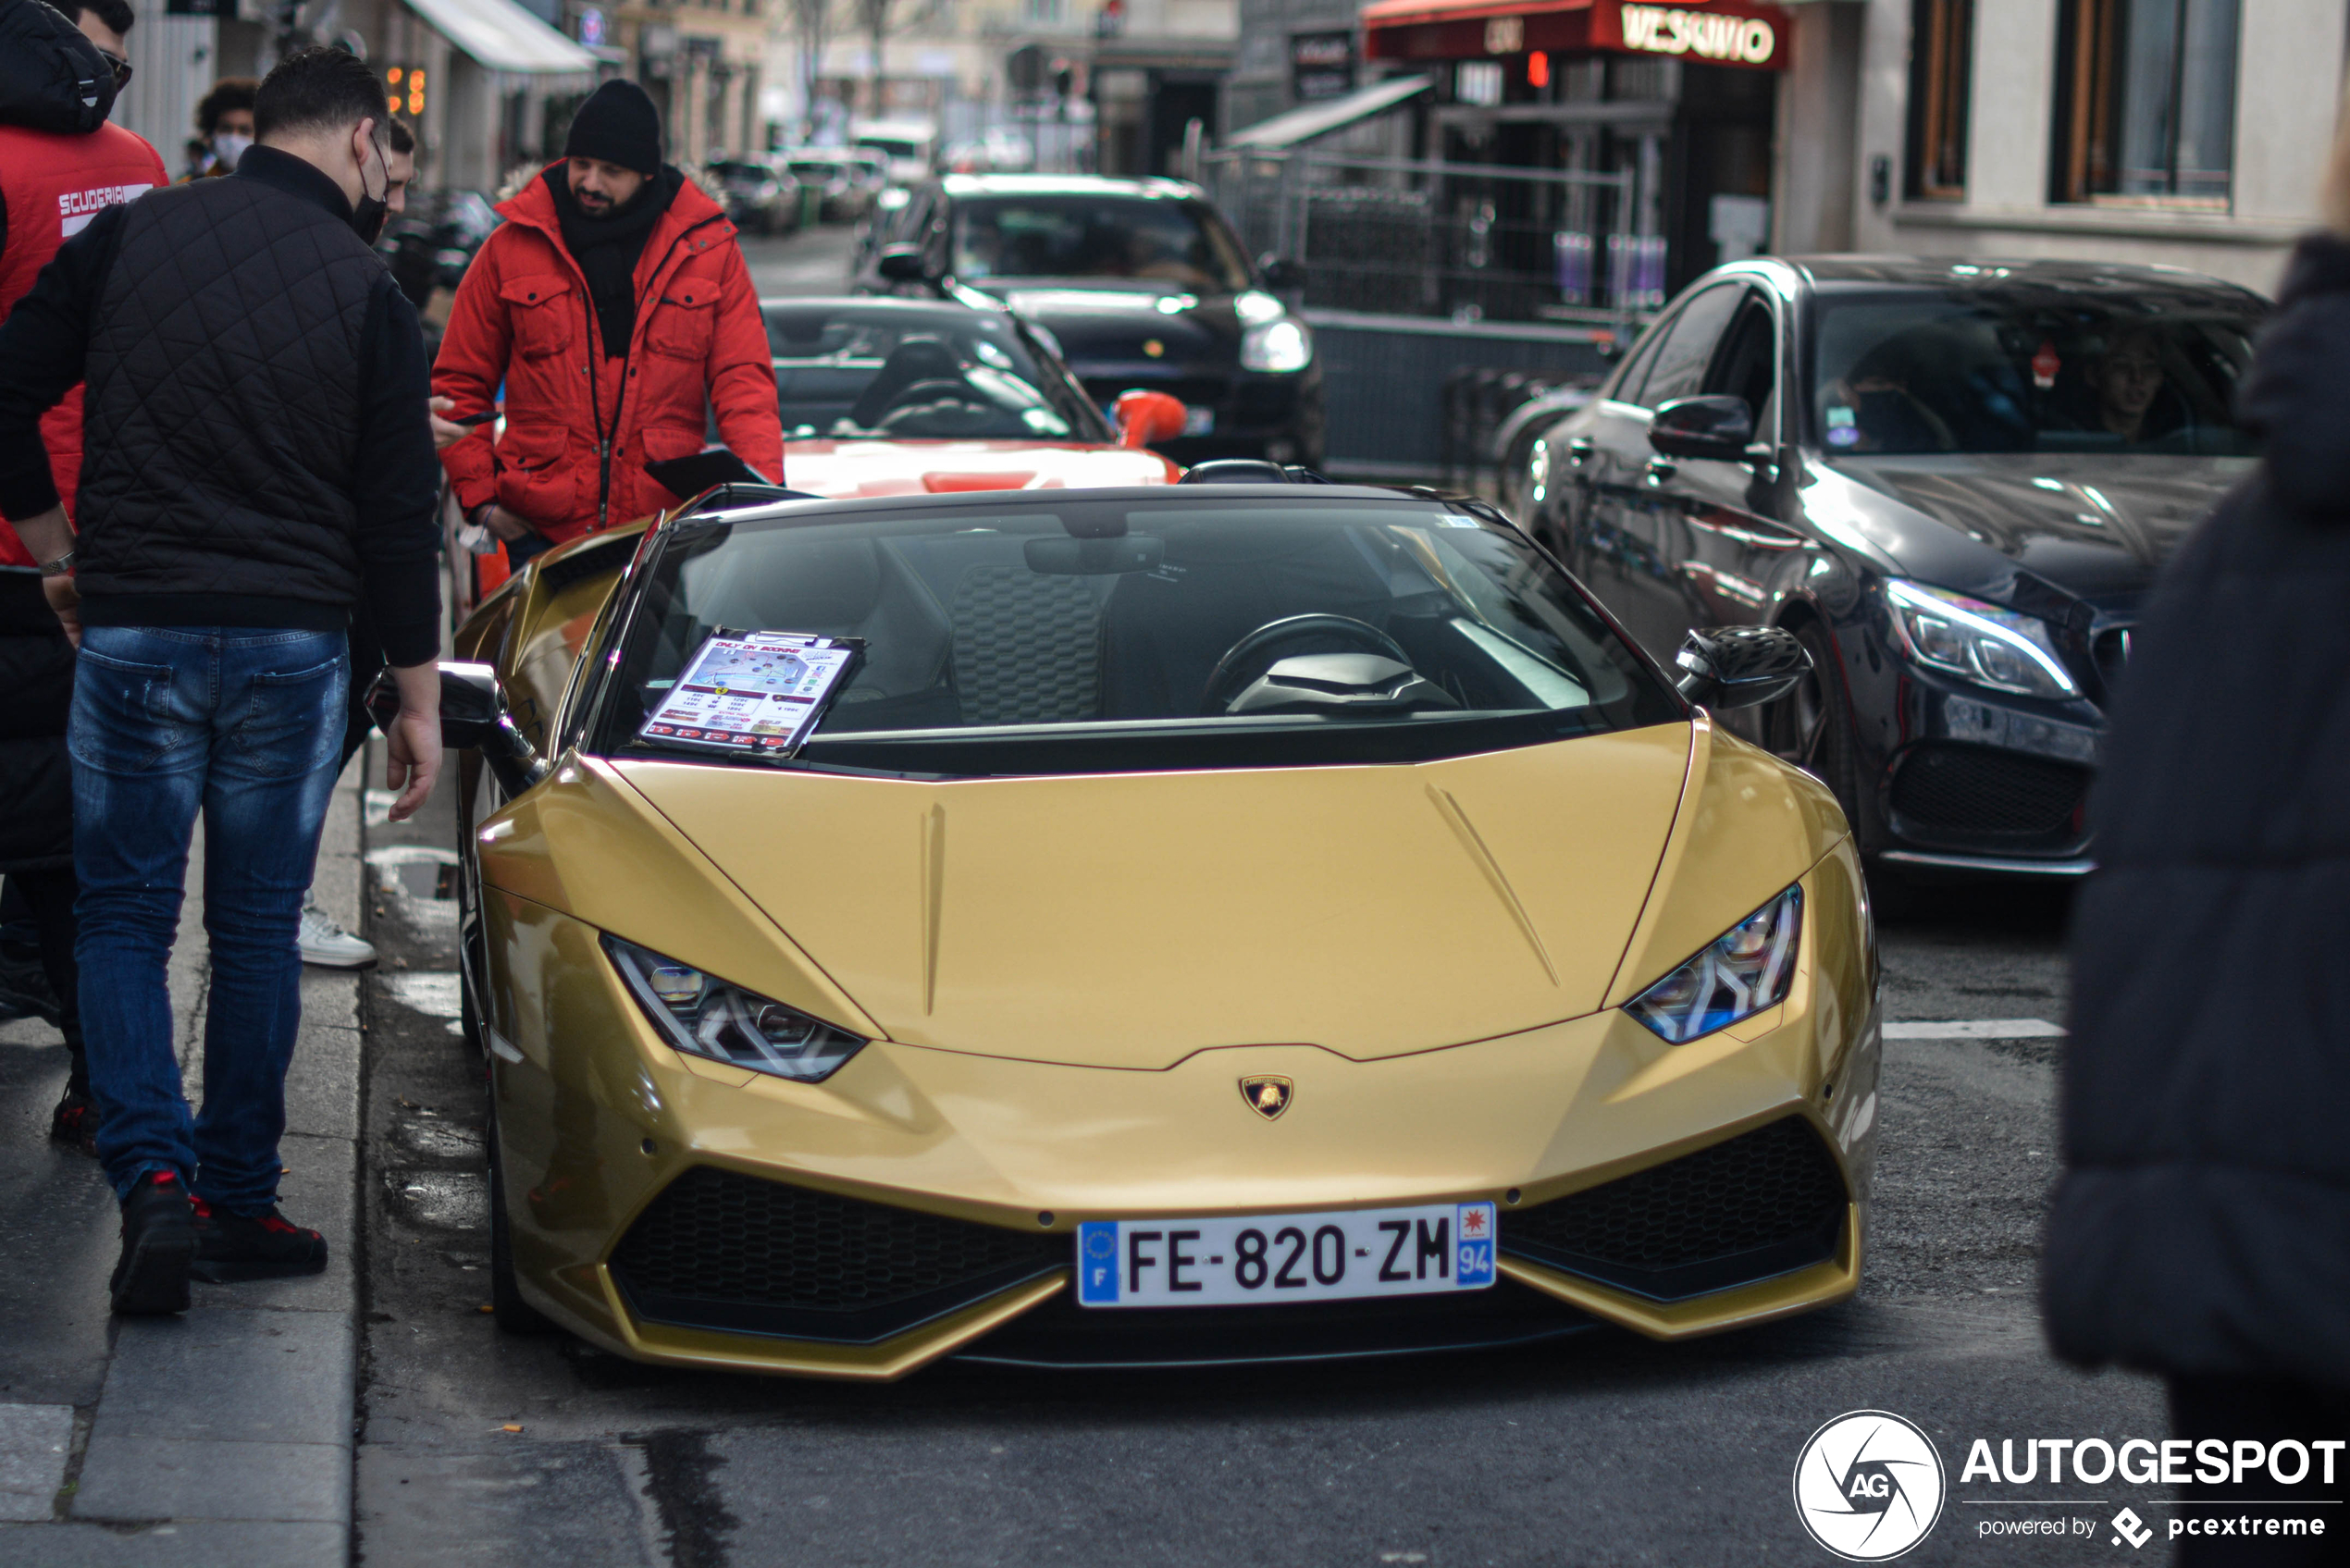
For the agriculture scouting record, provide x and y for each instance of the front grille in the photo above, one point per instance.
(1979, 792)
(721, 1249)
(1750, 1207)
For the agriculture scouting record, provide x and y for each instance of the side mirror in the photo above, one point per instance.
(1281, 274)
(1739, 666)
(1715, 426)
(473, 713)
(1144, 419)
(903, 263)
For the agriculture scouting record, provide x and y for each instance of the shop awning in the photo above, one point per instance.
(1304, 123)
(1750, 33)
(504, 37)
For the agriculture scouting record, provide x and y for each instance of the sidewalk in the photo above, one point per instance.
(221, 1439)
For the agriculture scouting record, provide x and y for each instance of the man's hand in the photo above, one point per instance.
(46, 536)
(65, 600)
(414, 740)
(504, 525)
(446, 433)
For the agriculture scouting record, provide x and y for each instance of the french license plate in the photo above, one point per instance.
(1286, 1257)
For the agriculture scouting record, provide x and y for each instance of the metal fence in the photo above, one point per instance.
(1467, 241)
(1414, 399)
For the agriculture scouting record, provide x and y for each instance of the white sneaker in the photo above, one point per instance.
(329, 946)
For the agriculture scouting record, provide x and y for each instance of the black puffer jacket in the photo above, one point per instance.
(36, 694)
(2203, 1222)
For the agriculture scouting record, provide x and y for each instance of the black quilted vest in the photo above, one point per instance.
(222, 411)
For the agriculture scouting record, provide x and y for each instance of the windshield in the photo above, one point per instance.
(945, 374)
(1067, 635)
(1971, 371)
(1182, 244)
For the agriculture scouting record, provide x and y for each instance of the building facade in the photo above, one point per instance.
(2187, 133)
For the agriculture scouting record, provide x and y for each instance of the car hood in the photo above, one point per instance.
(2096, 527)
(844, 469)
(1110, 329)
(1131, 921)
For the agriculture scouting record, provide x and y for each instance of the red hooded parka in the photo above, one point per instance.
(580, 427)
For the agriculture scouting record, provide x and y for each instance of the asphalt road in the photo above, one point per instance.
(1602, 1449)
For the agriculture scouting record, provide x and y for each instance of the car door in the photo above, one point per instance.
(1723, 537)
(1627, 533)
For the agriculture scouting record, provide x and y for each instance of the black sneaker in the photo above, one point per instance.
(231, 1247)
(158, 1243)
(25, 992)
(75, 1124)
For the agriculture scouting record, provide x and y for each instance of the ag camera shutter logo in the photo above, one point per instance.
(1869, 1486)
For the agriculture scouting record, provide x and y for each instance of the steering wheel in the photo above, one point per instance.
(1245, 659)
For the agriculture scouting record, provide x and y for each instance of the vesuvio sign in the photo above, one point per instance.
(1748, 33)
(1727, 38)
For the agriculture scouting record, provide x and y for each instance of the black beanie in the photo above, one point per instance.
(618, 124)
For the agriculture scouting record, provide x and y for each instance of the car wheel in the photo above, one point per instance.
(1811, 726)
(511, 1313)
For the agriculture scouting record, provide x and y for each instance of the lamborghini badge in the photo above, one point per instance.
(1268, 1097)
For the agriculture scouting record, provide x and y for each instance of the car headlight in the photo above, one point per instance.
(1280, 346)
(1984, 644)
(706, 1016)
(1744, 971)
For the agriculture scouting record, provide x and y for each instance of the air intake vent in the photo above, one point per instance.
(1990, 794)
(721, 1249)
(1762, 1203)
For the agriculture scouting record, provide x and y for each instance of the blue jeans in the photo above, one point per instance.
(245, 725)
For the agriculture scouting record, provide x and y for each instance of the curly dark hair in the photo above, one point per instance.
(228, 93)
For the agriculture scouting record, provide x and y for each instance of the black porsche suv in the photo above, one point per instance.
(1952, 480)
(1144, 284)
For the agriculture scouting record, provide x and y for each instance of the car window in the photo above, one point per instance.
(1745, 367)
(2026, 368)
(1150, 238)
(1069, 635)
(1626, 388)
(849, 371)
(1687, 348)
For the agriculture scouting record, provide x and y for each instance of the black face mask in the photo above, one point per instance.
(368, 217)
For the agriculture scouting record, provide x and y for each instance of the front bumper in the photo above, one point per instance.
(1976, 782)
(652, 1198)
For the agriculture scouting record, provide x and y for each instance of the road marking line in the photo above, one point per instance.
(1975, 1029)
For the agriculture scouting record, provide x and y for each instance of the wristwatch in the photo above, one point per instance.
(58, 567)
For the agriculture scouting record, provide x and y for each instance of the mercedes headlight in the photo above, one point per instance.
(1744, 971)
(1279, 346)
(1980, 642)
(703, 1016)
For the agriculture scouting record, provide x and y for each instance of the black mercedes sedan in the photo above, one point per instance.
(1952, 480)
(1144, 284)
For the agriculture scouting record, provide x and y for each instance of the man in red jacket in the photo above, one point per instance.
(614, 307)
(52, 183)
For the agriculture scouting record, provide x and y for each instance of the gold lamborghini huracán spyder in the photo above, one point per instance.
(1104, 928)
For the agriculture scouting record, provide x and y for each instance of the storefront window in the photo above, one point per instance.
(1941, 61)
(2145, 108)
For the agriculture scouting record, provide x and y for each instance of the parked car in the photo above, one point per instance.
(1143, 284)
(1952, 481)
(910, 397)
(759, 196)
(910, 146)
(1089, 985)
(845, 185)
